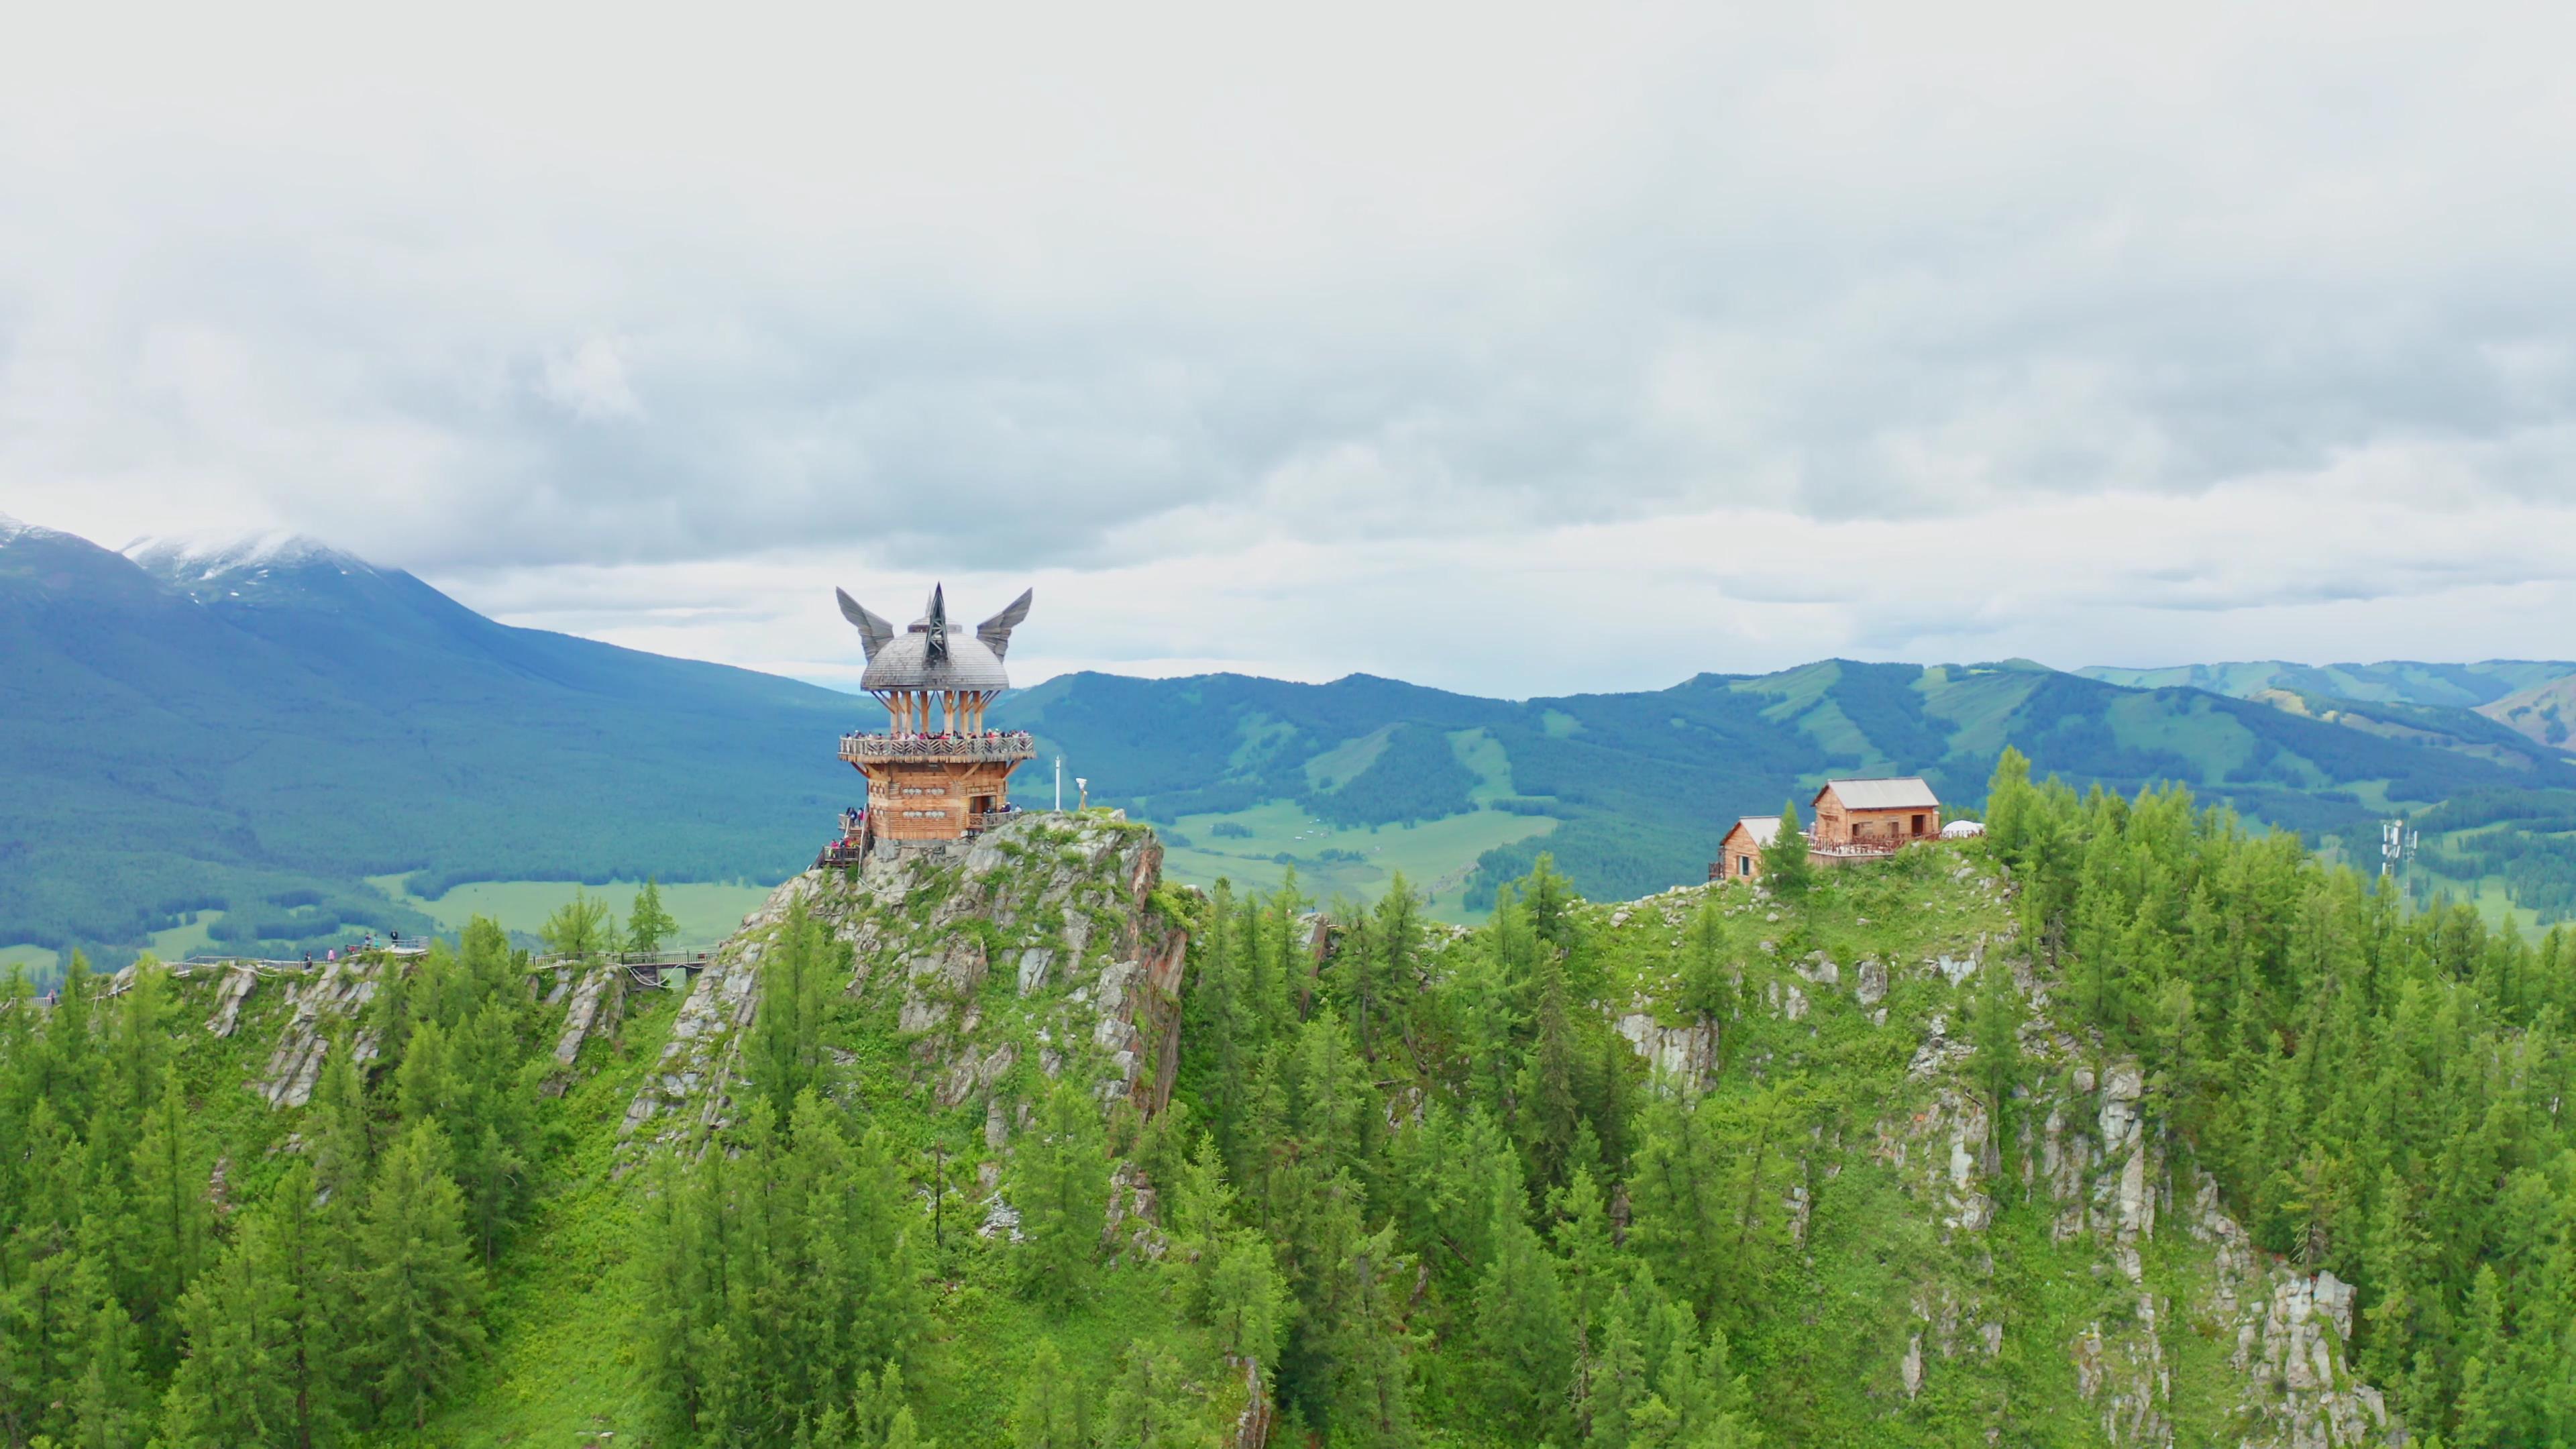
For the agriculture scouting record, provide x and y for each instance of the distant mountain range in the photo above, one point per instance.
(2457, 686)
(246, 734)
(258, 728)
(1638, 787)
(2534, 698)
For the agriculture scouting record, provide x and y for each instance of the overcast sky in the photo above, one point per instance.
(1511, 350)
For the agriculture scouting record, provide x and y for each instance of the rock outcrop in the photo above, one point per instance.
(594, 1005)
(340, 991)
(237, 985)
(1028, 945)
(2082, 1144)
(2093, 1158)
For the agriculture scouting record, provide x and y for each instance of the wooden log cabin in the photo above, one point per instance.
(1862, 818)
(1854, 820)
(1739, 856)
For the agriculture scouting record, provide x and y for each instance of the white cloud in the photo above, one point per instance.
(590, 383)
(1345, 337)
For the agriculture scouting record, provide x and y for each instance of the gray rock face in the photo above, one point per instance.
(1682, 1054)
(1057, 902)
(2094, 1156)
(594, 1002)
(975, 1071)
(1869, 986)
(236, 989)
(340, 992)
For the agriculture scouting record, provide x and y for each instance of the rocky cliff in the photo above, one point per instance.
(2174, 1327)
(992, 963)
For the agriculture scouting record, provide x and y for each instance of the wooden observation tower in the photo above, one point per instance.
(935, 772)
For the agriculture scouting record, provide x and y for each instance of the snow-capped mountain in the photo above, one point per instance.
(241, 566)
(259, 719)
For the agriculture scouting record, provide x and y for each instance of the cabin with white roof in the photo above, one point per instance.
(1739, 856)
(1873, 817)
(1853, 820)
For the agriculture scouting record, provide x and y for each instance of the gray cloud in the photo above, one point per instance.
(1162, 288)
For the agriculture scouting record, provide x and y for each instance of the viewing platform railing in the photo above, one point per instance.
(968, 749)
(1864, 848)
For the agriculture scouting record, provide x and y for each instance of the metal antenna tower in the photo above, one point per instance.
(2397, 842)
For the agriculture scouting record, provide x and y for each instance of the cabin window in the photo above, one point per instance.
(1744, 865)
(1918, 825)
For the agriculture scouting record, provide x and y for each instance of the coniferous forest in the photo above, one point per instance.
(1406, 1185)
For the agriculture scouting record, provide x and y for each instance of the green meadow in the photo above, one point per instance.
(707, 911)
(1435, 856)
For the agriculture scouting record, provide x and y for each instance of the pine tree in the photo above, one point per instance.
(672, 1259)
(1524, 1340)
(1786, 870)
(648, 925)
(804, 966)
(264, 1362)
(171, 1220)
(1247, 1301)
(343, 1139)
(1995, 1033)
(1049, 1412)
(1149, 1407)
(488, 965)
(422, 1288)
(1546, 1089)
(137, 1032)
(580, 927)
(227, 1391)
(426, 1084)
(900, 1433)
(1708, 977)
(109, 1405)
(1397, 930)
(1583, 1240)
(1550, 900)
(2485, 1411)
(1060, 1185)
(1289, 970)
(1216, 1047)
(48, 1324)
(1615, 1383)
(1370, 1403)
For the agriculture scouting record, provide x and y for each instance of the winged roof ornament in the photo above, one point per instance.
(874, 633)
(996, 631)
(930, 654)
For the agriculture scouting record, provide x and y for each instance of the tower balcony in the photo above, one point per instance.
(1009, 747)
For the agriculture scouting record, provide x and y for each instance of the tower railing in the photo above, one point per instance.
(1000, 748)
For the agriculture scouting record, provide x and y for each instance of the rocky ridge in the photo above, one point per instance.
(1031, 946)
(2090, 1147)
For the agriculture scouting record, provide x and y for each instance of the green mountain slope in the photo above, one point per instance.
(1630, 792)
(2400, 681)
(2164, 1136)
(2544, 712)
(2512, 849)
(256, 733)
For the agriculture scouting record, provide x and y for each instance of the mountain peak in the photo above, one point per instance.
(197, 559)
(13, 528)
